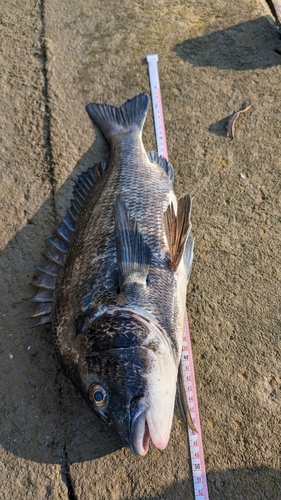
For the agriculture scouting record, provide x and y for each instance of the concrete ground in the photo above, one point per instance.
(214, 57)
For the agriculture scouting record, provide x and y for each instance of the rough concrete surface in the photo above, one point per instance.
(214, 56)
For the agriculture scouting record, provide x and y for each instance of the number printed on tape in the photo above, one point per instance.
(195, 440)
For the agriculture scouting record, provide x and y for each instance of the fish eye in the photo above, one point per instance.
(97, 395)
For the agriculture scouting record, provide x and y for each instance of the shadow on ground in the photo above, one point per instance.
(246, 46)
(41, 414)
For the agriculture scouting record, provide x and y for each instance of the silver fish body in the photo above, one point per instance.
(120, 264)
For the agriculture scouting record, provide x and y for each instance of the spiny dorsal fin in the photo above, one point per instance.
(162, 162)
(59, 245)
(133, 254)
(110, 120)
(177, 227)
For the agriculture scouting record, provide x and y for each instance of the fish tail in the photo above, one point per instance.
(130, 117)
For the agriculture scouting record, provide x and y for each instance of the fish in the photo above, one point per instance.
(115, 280)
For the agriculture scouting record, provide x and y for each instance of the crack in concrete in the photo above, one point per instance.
(47, 131)
(66, 475)
(47, 111)
(65, 466)
(275, 8)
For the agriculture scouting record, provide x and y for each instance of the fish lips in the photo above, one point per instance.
(142, 430)
(139, 435)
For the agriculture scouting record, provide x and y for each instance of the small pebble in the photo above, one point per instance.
(243, 176)
(11, 355)
(28, 348)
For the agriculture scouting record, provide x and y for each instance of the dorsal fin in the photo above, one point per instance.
(162, 162)
(177, 228)
(59, 245)
(133, 254)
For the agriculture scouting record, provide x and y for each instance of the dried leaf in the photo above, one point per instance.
(232, 120)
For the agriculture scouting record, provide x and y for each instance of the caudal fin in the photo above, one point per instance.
(129, 117)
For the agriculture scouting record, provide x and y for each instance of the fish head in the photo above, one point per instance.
(132, 384)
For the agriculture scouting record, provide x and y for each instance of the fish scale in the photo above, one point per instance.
(129, 177)
(150, 220)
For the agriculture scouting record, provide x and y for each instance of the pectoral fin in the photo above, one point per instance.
(177, 228)
(133, 254)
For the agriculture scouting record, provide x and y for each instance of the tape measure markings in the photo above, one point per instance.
(157, 106)
(195, 440)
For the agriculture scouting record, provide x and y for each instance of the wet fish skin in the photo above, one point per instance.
(121, 277)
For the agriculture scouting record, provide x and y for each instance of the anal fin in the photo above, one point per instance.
(133, 254)
(177, 228)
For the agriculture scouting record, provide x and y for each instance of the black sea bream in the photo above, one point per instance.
(114, 285)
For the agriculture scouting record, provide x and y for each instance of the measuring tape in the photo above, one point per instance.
(157, 106)
(195, 440)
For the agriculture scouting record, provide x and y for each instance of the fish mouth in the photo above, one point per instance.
(140, 437)
(143, 430)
